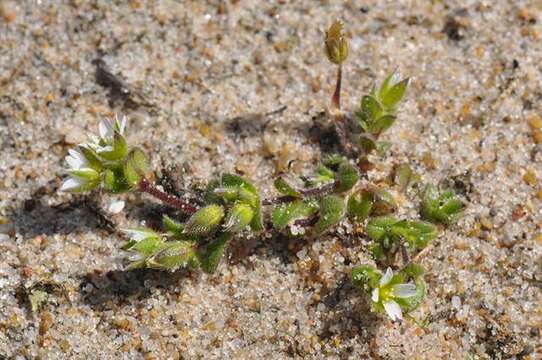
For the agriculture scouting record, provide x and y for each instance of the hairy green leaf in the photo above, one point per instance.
(286, 214)
(331, 212)
(209, 255)
(416, 233)
(440, 208)
(135, 166)
(347, 176)
(365, 275)
(359, 205)
(286, 189)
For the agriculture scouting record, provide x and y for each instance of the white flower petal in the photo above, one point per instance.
(73, 162)
(116, 206)
(386, 277)
(375, 295)
(71, 183)
(136, 257)
(138, 234)
(404, 290)
(76, 160)
(122, 125)
(106, 129)
(393, 310)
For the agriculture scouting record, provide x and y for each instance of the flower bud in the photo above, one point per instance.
(205, 220)
(239, 217)
(336, 43)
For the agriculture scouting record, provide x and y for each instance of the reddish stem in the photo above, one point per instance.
(336, 99)
(168, 199)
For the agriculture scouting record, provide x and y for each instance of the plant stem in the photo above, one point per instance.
(168, 199)
(336, 99)
(316, 191)
(340, 123)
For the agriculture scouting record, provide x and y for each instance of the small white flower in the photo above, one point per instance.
(115, 206)
(107, 127)
(386, 293)
(106, 133)
(81, 176)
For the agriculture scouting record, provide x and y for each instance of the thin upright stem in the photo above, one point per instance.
(168, 199)
(336, 99)
(340, 123)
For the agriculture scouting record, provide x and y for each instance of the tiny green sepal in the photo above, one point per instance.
(173, 255)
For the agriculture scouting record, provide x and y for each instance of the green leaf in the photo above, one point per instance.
(382, 124)
(416, 233)
(388, 83)
(412, 303)
(210, 254)
(382, 147)
(359, 205)
(365, 275)
(347, 176)
(442, 208)
(239, 216)
(371, 108)
(367, 143)
(210, 195)
(115, 182)
(379, 228)
(249, 194)
(331, 212)
(205, 220)
(286, 189)
(323, 175)
(384, 203)
(286, 214)
(391, 97)
(404, 176)
(135, 166)
(333, 161)
(173, 255)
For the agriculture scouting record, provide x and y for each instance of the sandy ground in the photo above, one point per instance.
(201, 76)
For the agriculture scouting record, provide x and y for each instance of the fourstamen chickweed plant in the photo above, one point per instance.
(232, 205)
